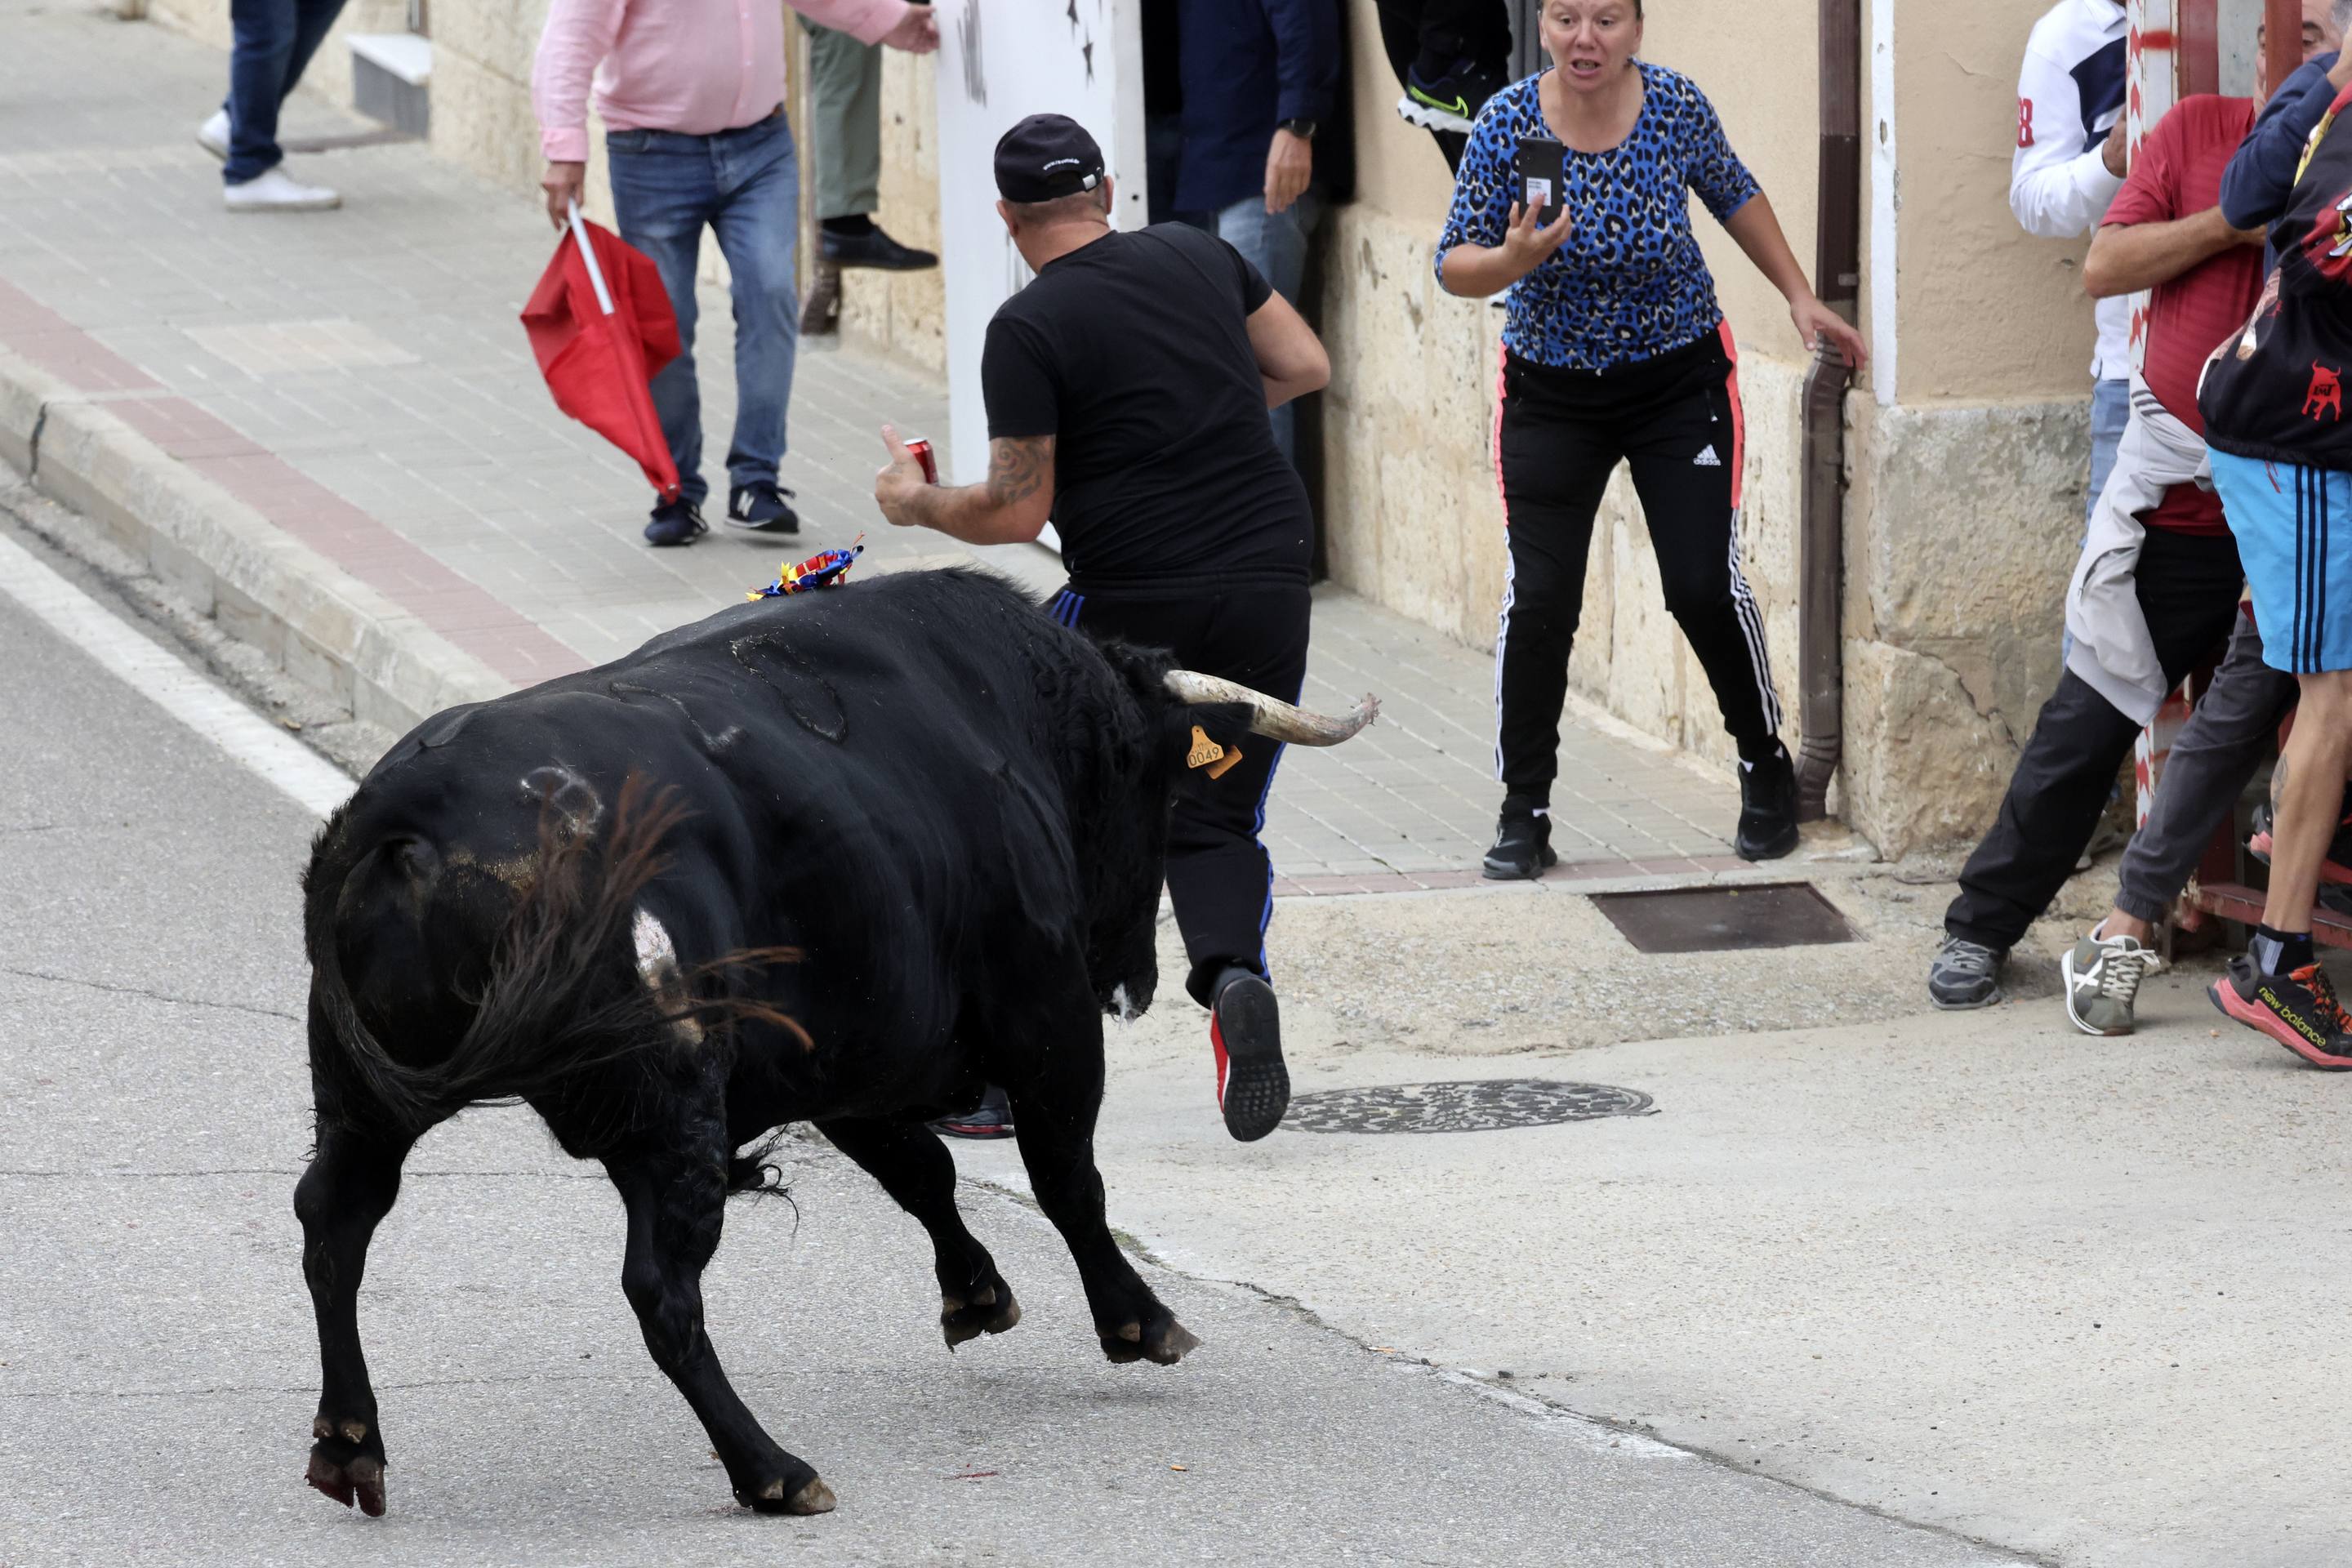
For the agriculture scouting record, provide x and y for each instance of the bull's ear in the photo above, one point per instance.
(1142, 670)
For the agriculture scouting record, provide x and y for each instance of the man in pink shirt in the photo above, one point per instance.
(691, 93)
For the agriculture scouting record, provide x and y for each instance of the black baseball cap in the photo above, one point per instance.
(1045, 157)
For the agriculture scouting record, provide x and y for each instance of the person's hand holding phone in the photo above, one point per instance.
(1526, 247)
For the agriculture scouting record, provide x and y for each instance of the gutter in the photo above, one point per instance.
(1837, 278)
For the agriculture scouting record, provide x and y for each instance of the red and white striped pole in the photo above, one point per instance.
(2161, 45)
(2152, 85)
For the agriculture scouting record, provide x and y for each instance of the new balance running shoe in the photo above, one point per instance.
(675, 522)
(991, 1117)
(1451, 102)
(1245, 1033)
(1964, 975)
(762, 507)
(2300, 1011)
(2103, 976)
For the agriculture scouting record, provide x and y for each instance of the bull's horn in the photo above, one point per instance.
(1270, 717)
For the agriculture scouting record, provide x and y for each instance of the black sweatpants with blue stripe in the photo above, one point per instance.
(1219, 876)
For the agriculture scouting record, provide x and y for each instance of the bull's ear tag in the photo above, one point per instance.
(1225, 764)
(1204, 752)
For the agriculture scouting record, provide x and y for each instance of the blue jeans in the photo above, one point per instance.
(273, 41)
(745, 184)
(1276, 244)
(2110, 412)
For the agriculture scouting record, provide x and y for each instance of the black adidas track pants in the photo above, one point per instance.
(1558, 438)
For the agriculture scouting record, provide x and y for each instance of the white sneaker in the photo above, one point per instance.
(2103, 975)
(273, 191)
(213, 135)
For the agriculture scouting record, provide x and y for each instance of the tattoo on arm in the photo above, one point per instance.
(2278, 788)
(1018, 467)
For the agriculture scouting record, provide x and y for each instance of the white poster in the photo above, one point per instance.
(1000, 62)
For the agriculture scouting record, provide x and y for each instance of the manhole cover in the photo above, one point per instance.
(1725, 919)
(1484, 1105)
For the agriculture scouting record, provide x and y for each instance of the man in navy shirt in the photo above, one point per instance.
(2262, 172)
(1261, 86)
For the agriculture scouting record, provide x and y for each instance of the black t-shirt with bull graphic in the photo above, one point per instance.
(2275, 392)
(1133, 352)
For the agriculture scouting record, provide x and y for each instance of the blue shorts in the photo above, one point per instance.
(2295, 534)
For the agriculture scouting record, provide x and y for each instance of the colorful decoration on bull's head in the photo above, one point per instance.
(825, 569)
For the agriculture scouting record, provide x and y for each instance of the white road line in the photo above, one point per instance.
(299, 772)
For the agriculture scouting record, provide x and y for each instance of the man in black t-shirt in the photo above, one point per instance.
(1127, 389)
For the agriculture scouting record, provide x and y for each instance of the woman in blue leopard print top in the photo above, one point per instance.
(1615, 350)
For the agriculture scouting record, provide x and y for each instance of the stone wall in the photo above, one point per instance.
(330, 73)
(482, 52)
(904, 314)
(1961, 528)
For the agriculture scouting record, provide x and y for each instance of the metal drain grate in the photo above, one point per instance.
(1726, 920)
(1486, 1105)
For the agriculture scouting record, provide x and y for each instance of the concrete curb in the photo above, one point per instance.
(318, 622)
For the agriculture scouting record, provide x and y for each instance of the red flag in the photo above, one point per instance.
(602, 328)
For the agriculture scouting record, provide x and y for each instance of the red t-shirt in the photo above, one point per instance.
(2177, 173)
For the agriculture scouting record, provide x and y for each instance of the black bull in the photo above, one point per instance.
(843, 858)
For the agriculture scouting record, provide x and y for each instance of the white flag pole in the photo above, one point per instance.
(588, 255)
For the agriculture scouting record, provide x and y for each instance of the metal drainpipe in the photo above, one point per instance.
(1837, 278)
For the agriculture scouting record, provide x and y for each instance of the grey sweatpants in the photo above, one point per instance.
(2212, 758)
(845, 122)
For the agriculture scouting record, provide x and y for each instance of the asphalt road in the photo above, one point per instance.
(157, 1365)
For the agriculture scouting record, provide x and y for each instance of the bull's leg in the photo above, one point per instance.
(675, 1199)
(350, 1186)
(1054, 1118)
(915, 1168)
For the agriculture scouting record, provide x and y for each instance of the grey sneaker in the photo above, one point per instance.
(2103, 976)
(1964, 975)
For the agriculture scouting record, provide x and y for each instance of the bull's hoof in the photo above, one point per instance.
(1163, 1342)
(811, 1497)
(990, 1311)
(357, 1478)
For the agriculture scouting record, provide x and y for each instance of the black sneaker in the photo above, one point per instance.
(676, 522)
(991, 1117)
(1449, 102)
(1964, 975)
(873, 248)
(1522, 843)
(1245, 1033)
(2300, 1011)
(1767, 808)
(762, 507)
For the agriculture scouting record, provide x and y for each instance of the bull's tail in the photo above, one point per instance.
(568, 990)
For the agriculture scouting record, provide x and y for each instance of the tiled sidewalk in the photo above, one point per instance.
(360, 378)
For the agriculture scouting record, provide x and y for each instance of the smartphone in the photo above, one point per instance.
(1542, 166)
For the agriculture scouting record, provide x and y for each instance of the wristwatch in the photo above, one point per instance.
(1302, 129)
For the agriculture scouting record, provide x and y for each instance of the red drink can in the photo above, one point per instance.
(919, 448)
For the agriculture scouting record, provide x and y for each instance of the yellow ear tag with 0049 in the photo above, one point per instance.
(1207, 753)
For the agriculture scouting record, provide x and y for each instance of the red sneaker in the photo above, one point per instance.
(1252, 1084)
(2299, 1011)
(2336, 870)
(991, 1117)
